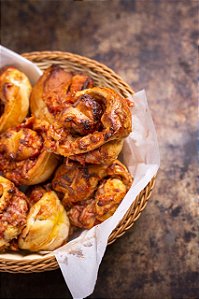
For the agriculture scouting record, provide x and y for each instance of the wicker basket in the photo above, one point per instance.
(102, 76)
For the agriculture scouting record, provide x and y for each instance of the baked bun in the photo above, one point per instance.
(13, 213)
(15, 89)
(54, 91)
(47, 225)
(23, 158)
(97, 116)
(77, 182)
(91, 193)
(79, 121)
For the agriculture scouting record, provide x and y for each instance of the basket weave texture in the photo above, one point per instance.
(102, 76)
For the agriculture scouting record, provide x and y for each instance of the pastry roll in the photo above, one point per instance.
(77, 182)
(54, 92)
(23, 158)
(15, 89)
(47, 225)
(79, 121)
(90, 192)
(104, 201)
(13, 213)
(97, 116)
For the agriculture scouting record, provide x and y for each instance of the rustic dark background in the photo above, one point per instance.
(153, 46)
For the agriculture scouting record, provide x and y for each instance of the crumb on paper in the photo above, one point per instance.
(89, 244)
(76, 252)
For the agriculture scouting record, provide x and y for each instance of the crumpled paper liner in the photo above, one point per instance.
(8, 57)
(79, 259)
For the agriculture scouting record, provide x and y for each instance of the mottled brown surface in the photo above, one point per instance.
(152, 45)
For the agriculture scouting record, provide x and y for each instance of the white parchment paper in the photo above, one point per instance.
(79, 260)
(8, 57)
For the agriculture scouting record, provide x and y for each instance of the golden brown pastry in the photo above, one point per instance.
(105, 200)
(77, 120)
(77, 182)
(90, 192)
(104, 154)
(15, 89)
(23, 158)
(13, 213)
(54, 92)
(97, 116)
(83, 214)
(34, 194)
(47, 225)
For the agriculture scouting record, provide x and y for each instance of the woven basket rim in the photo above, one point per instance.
(47, 263)
(77, 58)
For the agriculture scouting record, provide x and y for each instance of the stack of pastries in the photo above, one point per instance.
(59, 146)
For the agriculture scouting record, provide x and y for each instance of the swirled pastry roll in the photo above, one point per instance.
(97, 116)
(77, 120)
(13, 213)
(104, 201)
(77, 182)
(54, 92)
(23, 158)
(15, 90)
(91, 193)
(47, 225)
